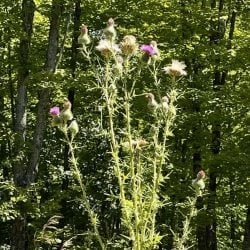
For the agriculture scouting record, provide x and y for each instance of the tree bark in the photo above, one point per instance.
(19, 237)
(38, 134)
(44, 94)
(24, 176)
(56, 9)
(28, 8)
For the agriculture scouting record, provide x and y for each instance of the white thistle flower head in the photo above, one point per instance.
(176, 68)
(107, 49)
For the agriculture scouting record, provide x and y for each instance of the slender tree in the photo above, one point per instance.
(19, 240)
(44, 93)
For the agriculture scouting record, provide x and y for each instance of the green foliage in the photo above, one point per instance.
(183, 30)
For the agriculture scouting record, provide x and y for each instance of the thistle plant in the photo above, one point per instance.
(198, 185)
(66, 123)
(140, 160)
(139, 168)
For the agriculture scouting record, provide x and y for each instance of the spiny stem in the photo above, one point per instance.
(186, 225)
(115, 149)
(91, 213)
(137, 242)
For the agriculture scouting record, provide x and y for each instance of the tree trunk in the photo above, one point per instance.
(28, 174)
(56, 9)
(38, 134)
(246, 241)
(28, 8)
(19, 237)
(44, 94)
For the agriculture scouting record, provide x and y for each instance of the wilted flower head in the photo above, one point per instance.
(55, 111)
(128, 45)
(149, 49)
(176, 68)
(107, 49)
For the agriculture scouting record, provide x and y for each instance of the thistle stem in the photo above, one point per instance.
(92, 215)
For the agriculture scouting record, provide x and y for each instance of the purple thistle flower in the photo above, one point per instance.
(148, 49)
(55, 111)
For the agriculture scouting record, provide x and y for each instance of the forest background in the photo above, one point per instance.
(41, 64)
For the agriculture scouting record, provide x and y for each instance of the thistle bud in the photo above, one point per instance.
(156, 55)
(173, 96)
(73, 128)
(152, 103)
(83, 38)
(109, 31)
(141, 143)
(199, 183)
(67, 104)
(66, 113)
(165, 102)
(201, 175)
